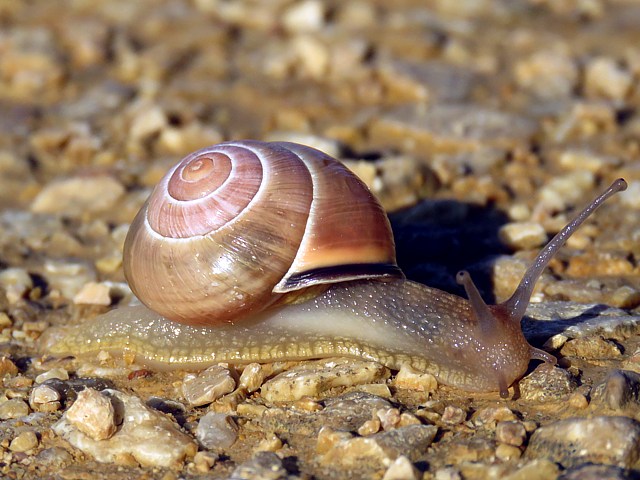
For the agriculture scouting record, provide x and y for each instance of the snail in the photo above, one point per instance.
(249, 251)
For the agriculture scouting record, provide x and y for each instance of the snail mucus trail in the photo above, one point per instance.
(363, 309)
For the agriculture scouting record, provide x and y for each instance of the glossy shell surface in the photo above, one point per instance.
(233, 227)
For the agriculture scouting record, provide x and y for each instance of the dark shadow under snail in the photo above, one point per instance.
(256, 252)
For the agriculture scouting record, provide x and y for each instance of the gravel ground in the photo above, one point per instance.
(481, 126)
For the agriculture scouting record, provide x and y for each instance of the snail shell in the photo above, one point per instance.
(236, 227)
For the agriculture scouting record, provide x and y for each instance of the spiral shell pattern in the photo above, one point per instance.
(233, 227)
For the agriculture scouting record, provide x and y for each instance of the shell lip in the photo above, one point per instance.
(338, 273)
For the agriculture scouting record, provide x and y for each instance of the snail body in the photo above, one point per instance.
(313, 306)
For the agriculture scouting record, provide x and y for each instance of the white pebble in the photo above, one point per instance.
(217, 431)
(252, 377)
(402, 469)
(77, 196)
(145, 436)
(58, 372)
(93, 293)
(208, 385)
(148, 119)
(42, 395)
(604, 77)
(15, 282)
(522, 235)
(311, 379)
(93, 414)
(24, 442)
(304, 16)
(411, 379)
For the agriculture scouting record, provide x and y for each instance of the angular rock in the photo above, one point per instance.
(450, 128)
(217, 431)
(208, 385)
(263, 465)
(314, 378)
(575, 320)
(14, 408)
(621, 388)
(411, 379)
(144, 437)
(24, 442)
(511, 433)
(535, 470)
(547, 383)
(591, 348)
(402, 469)
(596, 472)
(74, 197)
(383, 447)
(93, 414)
(574, 441)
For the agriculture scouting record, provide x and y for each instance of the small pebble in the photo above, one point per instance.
(522, 235)
(16, 282)
(380, 448)
(389, 418)
(252, 377)
(578, 401)
(147, 119)
(547, 383)
(204, 461)
(208, 385)
(329, 438)
(453, 415)
(145, 437)
(369, 427)
(5, 321)
(407, 418)
(448, 473)
(7, 367)
(54, 457)
(620, 388)
(25, 441)
(591, 348)
(577, 159)
(507, 452)
(217, 431)
(547, 74)
(535, 470)
(44, 398)
(57, 372)
(68, 277)
(93, 293)
(93, 414)
(411, 379)
(304, 16)
(511, 433)
(402, 469)
(604, 77)
(491, 416)
(263, 465)
(311, 379)
(76, 197)
(574, 441)
(14, 408)
(270, 444)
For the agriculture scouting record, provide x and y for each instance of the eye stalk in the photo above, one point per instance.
(514, 308)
